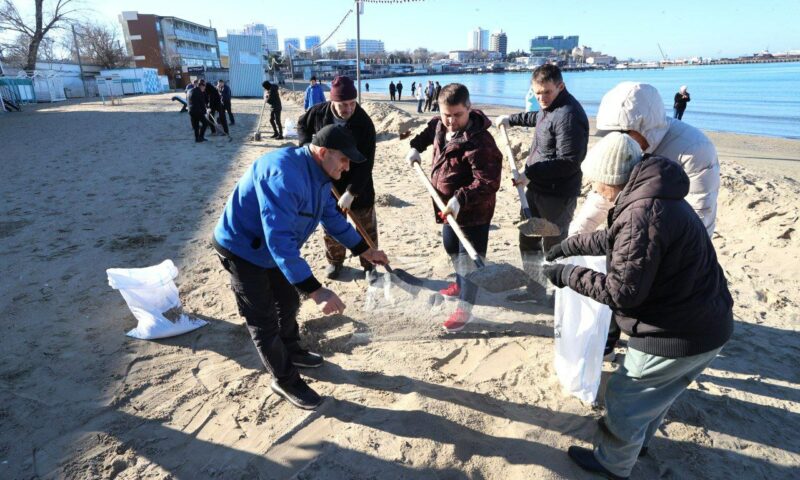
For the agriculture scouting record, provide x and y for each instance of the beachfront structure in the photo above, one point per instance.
(224, 59)
(367, 46)
(291, 45)
(478, 39)
(559, 43)
(499, 43)
(311, 41)
(169, 44)
(269, 35)
(246, 65)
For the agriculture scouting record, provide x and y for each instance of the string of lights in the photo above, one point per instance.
(320, 44)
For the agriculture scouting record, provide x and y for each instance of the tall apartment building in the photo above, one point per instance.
(499, 43)
(291, 43)
(367, 46)
(478, 39)
(169, 44)
(312, 41)
(269, 35)
(558, 43)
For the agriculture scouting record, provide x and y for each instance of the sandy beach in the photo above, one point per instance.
(89, 187)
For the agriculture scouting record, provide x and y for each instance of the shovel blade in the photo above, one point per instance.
(538, 227)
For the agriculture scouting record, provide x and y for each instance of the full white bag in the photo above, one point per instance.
(152, 296)
(581, 328)
(290, 129)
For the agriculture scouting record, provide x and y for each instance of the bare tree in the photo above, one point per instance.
(99, 45)
(34, 30)
(421, 55)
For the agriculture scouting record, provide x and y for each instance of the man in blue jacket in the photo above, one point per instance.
(276, 206)
(314, 94)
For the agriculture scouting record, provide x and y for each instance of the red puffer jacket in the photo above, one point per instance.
(467, 167)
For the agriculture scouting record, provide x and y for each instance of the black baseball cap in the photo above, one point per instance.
(339, 138)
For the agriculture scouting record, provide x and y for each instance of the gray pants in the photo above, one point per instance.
(638, 396)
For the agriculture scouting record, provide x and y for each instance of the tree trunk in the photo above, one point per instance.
(33, 52)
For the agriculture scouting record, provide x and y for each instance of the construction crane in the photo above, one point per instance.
(663, 55)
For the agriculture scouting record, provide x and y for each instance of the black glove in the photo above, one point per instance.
(555, 252)
(558, 273)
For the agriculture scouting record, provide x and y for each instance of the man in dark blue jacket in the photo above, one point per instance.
(276, 206)
(553, 169)
(225, 93)
(197, 110)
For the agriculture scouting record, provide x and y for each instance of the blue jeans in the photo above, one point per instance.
(478, 236)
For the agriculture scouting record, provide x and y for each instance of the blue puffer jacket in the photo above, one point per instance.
(274, 209)
(314, 95)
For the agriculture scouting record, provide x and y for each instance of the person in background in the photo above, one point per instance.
(314, 94)
(273, 97)
(466, 174)
(214, 101)
(429, 90)
(366, 85)
(664, 286)
(399, 90)
(225, 93)
(435, 104)
(355, 186)
(414, 89)
(531, 105)
(197, 111)
(392, 90)
(420, 96)
(275, 207)
(681, 99)
(553, 170)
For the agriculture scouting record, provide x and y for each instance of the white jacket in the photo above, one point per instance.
(639, 107)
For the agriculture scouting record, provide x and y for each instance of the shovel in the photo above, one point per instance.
(495, 278)
(400, 274)
(257, 133)
(531, 226)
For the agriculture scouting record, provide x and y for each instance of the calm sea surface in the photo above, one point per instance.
(759, 99)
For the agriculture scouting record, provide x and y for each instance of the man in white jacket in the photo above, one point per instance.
(637, 109)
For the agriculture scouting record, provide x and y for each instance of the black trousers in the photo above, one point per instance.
(227, 108)
(275, 121)
(199, 125)
(220, 115)
(478, 236)
(269, 305)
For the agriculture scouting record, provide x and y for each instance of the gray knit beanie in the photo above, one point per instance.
(612, 159)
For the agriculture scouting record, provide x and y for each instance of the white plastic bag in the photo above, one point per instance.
(152, 296)
(289, 130)
(580, 330)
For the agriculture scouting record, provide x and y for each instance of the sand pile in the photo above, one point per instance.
(290, 96)
(389, 200)
(389, 119)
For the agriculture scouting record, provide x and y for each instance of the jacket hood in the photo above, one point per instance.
(478, 123)
(634, 106)
(654, 177)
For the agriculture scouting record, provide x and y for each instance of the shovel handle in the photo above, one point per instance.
(451, 220)
(359, 228)
(523, 200)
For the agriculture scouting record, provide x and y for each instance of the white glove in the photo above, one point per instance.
(346, 200)
(502, 120)
(520, 179)
(452, 208)
(413, 156)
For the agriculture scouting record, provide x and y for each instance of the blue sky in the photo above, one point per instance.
(623, 28)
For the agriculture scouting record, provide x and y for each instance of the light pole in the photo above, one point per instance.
(359, 7)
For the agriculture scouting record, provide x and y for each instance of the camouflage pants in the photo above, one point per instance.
(335, 251)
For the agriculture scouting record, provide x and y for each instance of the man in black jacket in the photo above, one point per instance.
(197, 111)
(399, 90)
(355, 186)
(214, 102)
(273, 98)
(553, 169)
(225, 93)
(664, 285)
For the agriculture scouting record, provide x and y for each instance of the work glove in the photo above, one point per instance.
(559, 250)
(502, 120)
(520, 179)
(558, 273)
(413, 157)
(452, 208)
(346, 200)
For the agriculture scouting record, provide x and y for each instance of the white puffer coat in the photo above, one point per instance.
(639, 107)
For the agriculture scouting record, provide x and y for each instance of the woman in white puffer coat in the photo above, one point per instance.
(637, 108)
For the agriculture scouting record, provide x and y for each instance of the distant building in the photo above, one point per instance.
(478, 39)
(499, 43)
(463, 55)
(311, 41)
(367, 46)
(558, 43)
(169, 44)
(291, 43)
(269, 35)
(224, 58)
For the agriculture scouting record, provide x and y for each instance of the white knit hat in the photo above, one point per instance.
(612, 159)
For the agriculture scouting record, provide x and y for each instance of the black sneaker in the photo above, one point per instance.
(523, 297)
(298, 394)
(333, 271)
(305, 359)
(585, 459)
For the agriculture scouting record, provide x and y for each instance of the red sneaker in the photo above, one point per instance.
(457, 321)
(452, 290)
